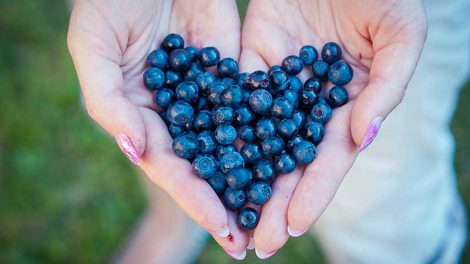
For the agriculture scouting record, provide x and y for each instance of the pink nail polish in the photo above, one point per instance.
(294, 232)
(263, 255)
(371, 133)
(236, 255)
(128, 148)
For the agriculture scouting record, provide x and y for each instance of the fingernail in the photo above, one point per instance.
(371, 133)
(236, 255)
(128, 148)
(251, 244)
(263, 255)
(294, 232)
(224, 232)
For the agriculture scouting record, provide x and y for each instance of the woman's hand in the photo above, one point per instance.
(382, 40)
(109, 42)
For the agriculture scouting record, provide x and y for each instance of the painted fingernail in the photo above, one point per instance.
(371, 133)
(263, 255)
(294, 232)
(236, 255)
(251, 244)
(128, 148)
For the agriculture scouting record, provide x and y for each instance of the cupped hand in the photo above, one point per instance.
(109, 42)
(382, 40)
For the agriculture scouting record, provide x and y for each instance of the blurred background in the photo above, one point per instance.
(67, 194)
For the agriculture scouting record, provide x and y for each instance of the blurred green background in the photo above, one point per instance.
(67, 194)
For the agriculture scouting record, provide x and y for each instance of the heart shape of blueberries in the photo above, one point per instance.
(279, 119)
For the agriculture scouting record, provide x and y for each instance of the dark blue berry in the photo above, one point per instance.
(284, 163)
(185, 145)
(238, 178)
(175, 130)
(292, 96)
(308, 54)
(187, 91)
(193, 71)
(225, 134)
(223, 149)
(292, 64)
(154, 78)
(295, 84)
(263, 170)
(260, 101)
(331, 53)
(321, 113)
(172, 78)
(293, 142)
(250, 153)
(323, 100)
(247, 219)
(259, 192)
(258, 80)
(158, 58)
(231, 160)
(179, 60)
(227, 67)
(314, 132)
(241, 79)
(215, 92)
(282, 108)
(205, 80)
(279, 80)
(246, 96)
(164, 116)
(180, 113)
(226, 82)
(340, 73)
(222, 115)
(243, 115)
(217, 182)
(172, 41)
(265, 128)
(338, 96)
(204, 166)
(304, 152)
(209, 56)
(234, 199)
(193, 53)
(308, 99)
(201, 104)
(207, 142)
(274, 68)
(287, 128)
(203, 121)
(163, 97)
(232, 96)
(247, 134)
(313, 84)
(320, 70)
(272, 146)
(299, 118)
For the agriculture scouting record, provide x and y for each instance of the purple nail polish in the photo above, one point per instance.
(371, 133)
(128, 148)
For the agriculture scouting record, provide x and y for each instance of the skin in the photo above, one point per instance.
(382, 40)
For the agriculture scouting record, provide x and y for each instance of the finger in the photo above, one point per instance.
(174, 175)
(321, 179)
(237, 241)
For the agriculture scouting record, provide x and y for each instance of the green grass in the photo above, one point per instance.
(67, 195)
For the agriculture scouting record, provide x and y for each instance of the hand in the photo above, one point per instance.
(382, 40)
(109, 42)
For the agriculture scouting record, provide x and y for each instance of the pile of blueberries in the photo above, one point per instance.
(277, 119)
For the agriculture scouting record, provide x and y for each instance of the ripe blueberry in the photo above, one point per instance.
(272, 146)
(247, 134)
(193, 53)
(292, 64)
(238, 178)
(250, 153)
(231, 160)
(287, 128)
(338, 96)
(232, 96)
(205, 80)
(163, 97)
(180, 113)
(179, 60)
(234, 199)
(308, 54)
(172, 78)
(260, 101)
(207, 142)
(299, 118)
(204, 166)
(263, 170)
(321, 113)
(185, 145)
(215, 92)
(202, 121)
(172, 41)
(293, 142)
(223, 115)
(340, 73)
(295, 84)
(284, 163)
(187, 91)
(279, 80)
(320, 70)
(209, 56)
(227, 67)
(314, 132)
(308, 98)
(217, 182)
(282, 108)
(193, 71)
(247, 219)
(265, 128)
(154, 78)
(225, 134)
(331, 53)
(259, 192)
(313, 84)
(304, 152)
(223, 149)
(158, 58)
(243, 115)
(201, 104)
(175, 130)
(258, 80)
(292, 96)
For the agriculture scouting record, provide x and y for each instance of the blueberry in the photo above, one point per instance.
(299, 118)
(185, 145)
(287, 128)
(172, 78)
(175, 130)
(295, 84)
(179, 60)
(258, 80)
(293, 97)
(338, 96)
(226, 82)
(320, 70)
(231, 160)
(202, 121)
(274, 68)
(321, 113)
(250, 153)
(265, 128)
(247, 134)
(172, 41)
(340, 73)
(154, 78)
(314, 132)
(308, 54)
(282, 108)
(263, 170)
(223, 149)
(225, 134)
(323, 100)
(207, 142)
(247, 219)
(293, 142)
(234, 199)
(193, 53)
(272, 146)
(260, 101)
(204, 166)
(259, 192)
(238, 178)
(180, 113)
(223, 115)
(215, 92)
(243, 115)
(187, 91)
(241, 79)
(246, 96)
(304, 152)
(158, 58)
(284, 163)
(279, 80)
(209, 56)
(205, 80)
(292, 64)
(308, 99)
(227, 67)
(164, 116)
(331, 53)
(193, 71)
(313, 84)
(201, 104)
(163, 97)
(232, 96)
(217, 182)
